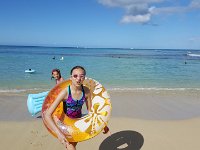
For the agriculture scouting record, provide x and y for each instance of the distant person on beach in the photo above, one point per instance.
(56, 74)
(78, 92)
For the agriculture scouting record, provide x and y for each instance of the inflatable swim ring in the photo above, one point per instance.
(29, 71)
(87, 126)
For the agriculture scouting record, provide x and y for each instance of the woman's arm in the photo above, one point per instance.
(49, 119)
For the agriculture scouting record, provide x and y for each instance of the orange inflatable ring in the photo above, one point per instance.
(87, 126)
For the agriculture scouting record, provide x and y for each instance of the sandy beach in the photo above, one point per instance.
(146, 120)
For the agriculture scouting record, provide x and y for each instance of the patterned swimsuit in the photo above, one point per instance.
(73, 107)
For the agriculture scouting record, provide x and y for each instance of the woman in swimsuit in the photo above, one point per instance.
(73, 98)
(57, 75)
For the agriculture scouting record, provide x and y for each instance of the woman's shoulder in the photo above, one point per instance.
(64, 93)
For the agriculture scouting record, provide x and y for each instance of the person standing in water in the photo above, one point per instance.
(57, 76)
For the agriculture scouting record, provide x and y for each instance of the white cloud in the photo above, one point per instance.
(136, 18)
(195, 4)
(169, 10)
(141, 11)
(124, 3)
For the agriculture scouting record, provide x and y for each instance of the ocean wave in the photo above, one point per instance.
(193, 55)
(157, 54)
(154, 89)
(34, 90)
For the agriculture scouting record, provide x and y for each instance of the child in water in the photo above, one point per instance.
(75, 92)
(57, 76)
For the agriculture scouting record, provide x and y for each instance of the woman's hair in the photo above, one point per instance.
(78, 67)
(55, 70)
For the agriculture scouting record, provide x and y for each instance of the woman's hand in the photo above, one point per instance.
(62, 139)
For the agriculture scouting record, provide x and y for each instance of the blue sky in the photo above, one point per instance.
(101, 23)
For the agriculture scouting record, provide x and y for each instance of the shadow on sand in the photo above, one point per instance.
(123, 140)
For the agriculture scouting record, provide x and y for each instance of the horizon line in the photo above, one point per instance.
(76, 47)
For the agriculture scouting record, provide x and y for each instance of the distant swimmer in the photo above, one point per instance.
(30, 71)
(54, 57)
(62, 58)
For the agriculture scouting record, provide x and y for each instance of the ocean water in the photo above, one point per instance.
(116, 69)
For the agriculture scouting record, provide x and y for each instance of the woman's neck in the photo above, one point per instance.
(76, 88)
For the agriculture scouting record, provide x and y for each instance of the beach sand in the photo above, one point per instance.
(152, 120)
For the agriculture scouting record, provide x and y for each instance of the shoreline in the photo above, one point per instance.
(24, 92)
(147, 105)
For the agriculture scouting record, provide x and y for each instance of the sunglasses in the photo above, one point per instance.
(76, 76)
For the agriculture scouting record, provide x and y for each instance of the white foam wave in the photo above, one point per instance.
(35, 90)
(12, 91)
(193, 55)
(153, 89)
(21, 90)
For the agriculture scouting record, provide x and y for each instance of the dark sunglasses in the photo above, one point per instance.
(76, 76)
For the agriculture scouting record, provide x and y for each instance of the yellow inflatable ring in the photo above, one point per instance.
(87, 126)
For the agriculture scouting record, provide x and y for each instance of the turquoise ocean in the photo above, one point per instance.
(115, 68)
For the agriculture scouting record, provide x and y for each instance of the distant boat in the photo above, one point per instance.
(193, 55)
(29, 71)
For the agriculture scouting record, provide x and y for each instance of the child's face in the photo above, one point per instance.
(55, 74)
(77, 77)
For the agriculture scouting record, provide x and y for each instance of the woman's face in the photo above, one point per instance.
(77, 77)
(56, 75)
